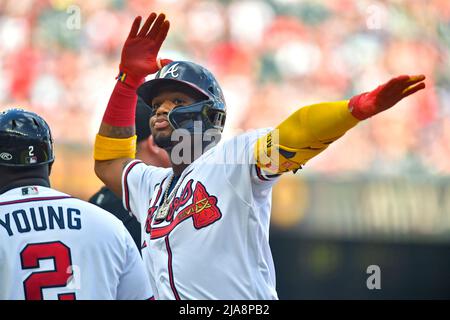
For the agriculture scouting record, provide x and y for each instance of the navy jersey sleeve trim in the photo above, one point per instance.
(34, 199)
(263, 176)
(125, 184)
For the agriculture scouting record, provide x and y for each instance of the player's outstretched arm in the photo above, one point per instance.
(115, 143)
(311, 129)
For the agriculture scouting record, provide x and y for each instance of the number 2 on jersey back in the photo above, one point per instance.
(30, 258)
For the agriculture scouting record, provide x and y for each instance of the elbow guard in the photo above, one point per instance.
(276, 158)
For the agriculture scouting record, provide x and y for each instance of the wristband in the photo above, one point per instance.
(128, 79)
(107, 148)
(121, 109)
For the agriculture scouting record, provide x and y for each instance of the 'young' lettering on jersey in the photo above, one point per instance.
(53, 246)
(214, 242)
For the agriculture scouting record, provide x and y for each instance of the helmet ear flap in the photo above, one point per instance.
(216, 118)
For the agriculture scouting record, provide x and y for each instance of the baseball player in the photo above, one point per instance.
(149, 153)
(207, 218)
(53, 246)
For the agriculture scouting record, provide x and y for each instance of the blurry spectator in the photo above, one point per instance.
(271, 57)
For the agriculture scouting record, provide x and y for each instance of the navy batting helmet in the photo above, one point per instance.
(25, 139)
(191, 77)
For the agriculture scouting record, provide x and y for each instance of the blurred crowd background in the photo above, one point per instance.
(386, 179)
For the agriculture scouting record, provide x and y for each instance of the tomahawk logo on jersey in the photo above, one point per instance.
(197, 204)
(53, 246)
(218, 218)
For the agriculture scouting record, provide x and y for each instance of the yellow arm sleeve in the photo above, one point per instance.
(303, 135)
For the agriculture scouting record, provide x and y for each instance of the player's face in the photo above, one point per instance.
(162, 104)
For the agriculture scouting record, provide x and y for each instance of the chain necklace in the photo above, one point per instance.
(163, 209)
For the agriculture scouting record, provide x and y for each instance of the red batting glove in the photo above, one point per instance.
(140, 51)
(385, 96)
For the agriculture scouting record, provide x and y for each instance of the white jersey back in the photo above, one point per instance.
(53, 246)
(214, 243)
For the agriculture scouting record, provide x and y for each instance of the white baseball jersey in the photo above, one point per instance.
(53, 246)
(214, 243)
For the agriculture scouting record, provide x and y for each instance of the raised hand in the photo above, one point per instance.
(385, 96)
(140, 51)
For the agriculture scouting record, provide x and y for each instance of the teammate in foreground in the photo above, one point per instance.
(207, 218)
(149, 153)
(53, 246)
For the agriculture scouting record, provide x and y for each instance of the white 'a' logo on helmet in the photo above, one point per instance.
(173, 70)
